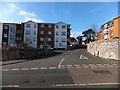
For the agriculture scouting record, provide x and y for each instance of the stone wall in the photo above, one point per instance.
(105, 49)
(13, 54)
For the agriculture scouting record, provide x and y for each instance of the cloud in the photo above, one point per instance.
(23, 14)
(75, 34)
(26, 13)
(12, 8)
(33, 19)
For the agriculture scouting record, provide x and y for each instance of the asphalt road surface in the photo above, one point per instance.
(70, 69)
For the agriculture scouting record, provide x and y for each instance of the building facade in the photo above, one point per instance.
(8, 34)
(110, 30)
(36, 35)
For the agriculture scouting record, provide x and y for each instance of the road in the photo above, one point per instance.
(70, 69)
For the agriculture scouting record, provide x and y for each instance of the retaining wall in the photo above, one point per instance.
(105, 49)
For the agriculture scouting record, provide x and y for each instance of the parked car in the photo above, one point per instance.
(82, 46)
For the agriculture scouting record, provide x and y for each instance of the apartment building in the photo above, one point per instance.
(110, 29)
(37, 35)
(8, 34)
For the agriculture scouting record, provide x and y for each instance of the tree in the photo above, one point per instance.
(79, 38)
(89, 34)
(94, 28)
(23, 45)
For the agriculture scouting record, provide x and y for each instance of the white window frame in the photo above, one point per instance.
(4, 43)
(42, 25)
(49, 26)
(49, 32)
(49, 39)
(34, 32)
(28, 25)
(5, 36)
(41, 39)
(5, 27)
(63, 26)
(41, 32)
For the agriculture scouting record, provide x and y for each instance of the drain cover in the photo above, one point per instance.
(102, 72)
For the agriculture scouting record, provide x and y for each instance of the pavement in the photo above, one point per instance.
(70, 69)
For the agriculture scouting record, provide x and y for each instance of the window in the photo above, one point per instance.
(49, 46)
(63, 33)
(56, 33)
(27, 39)
(6, 27)
(4, 43)
(10, 29)
(41, 46)
(41, 39)
(42, 32)
(49, 26)
(27, 25)
(49, 32)
(34, 32)
(105, 31)
(19, 31)
(63, 39)
(57, 27)
(42, 25)
(63, 26)
(34, 25)
(56, 39)
(49, 39)
(5, 35)
(34, 39)
(18, 38)
(27, 32)
(13, 30)
(10, 37)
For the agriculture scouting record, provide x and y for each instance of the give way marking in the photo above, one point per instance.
(83, 57)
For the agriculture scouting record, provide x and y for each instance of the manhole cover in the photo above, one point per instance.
(102, 72)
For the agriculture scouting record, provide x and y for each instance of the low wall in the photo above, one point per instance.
(13, 54)
(105, 49)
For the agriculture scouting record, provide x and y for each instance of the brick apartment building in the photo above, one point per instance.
(110, 30)
(36, 35)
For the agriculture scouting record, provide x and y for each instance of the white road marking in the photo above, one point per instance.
(34, 68)
(89, 84)
(60, 62)
(52, 67)
(10, 86)
(24, 68)
(101, 66)
(91, 64)
(5, 70)
(62, 65)
(14, 69)
(83, 57)
(43, 68)
(68, 65)
(77, 65)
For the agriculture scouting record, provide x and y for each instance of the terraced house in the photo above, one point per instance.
(110, 30)
(36, 35)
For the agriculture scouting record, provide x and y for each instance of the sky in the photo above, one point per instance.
(81, 15)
